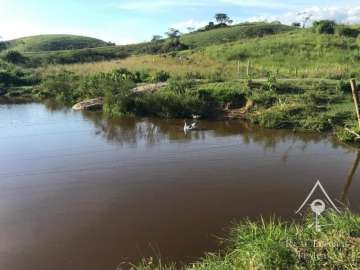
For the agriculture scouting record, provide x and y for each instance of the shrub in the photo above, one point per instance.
(325, 26)
(348, 32)
(13, 76)
(270, 83)
(209, 106)
(60, 86)
(3, 45)
(173, 46)
(160, 76)
(343, 86)
(318, 123)
(14, 57)
(180, 85)
(315, 97)
(117, 96)
(97, 85)
(236, 97)
(141, 76)
(274, 118)
(263, 98)
(165, 104)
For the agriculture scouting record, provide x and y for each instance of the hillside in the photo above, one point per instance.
(53, 43)
(195, 40)
(237, 32)
(299, 53)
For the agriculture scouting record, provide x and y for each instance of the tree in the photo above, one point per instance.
(14, 57)
(222, 18)
(174, 44)
(325, 27)
(190, 28)
(305, 17)
(210, 26)
(156, 38)
(348, 32)
(2, 45)
(173, 33)
(296, 24)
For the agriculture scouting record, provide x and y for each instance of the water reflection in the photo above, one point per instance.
(344, 196)
(131, 130)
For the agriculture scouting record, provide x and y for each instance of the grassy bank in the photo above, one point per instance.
(279, 245)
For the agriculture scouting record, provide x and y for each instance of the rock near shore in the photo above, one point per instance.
(89, 105)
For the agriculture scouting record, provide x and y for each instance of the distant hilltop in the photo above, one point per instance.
(54, 42)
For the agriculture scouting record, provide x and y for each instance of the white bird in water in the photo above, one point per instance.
(189, 127)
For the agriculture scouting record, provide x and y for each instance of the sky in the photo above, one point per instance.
(129, 21)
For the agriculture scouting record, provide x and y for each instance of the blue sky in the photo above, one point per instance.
(126, 21)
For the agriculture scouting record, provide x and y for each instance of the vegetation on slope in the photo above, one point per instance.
(15, 81)
(240, 32)
(49, 49)
(300, 53)
(53, 43)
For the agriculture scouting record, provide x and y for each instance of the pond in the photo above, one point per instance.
(81, 191)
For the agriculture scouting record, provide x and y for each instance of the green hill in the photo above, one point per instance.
(268, 47)
(237, 32)
(53, 43)
(64, 49)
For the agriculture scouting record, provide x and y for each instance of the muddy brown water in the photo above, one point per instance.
(79, 191)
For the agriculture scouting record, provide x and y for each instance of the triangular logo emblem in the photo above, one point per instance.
(318, 185)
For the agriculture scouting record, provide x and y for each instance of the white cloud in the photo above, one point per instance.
(346, 15)
(184, 25)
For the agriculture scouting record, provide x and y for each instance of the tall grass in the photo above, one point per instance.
(279, 245)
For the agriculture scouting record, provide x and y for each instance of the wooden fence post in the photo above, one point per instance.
(248, 69)
(355, 98)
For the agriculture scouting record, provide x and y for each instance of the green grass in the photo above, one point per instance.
(292, 54)
(279, 245)
(240, 32)
(53, 43)
(63, 49)
(299, 53)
